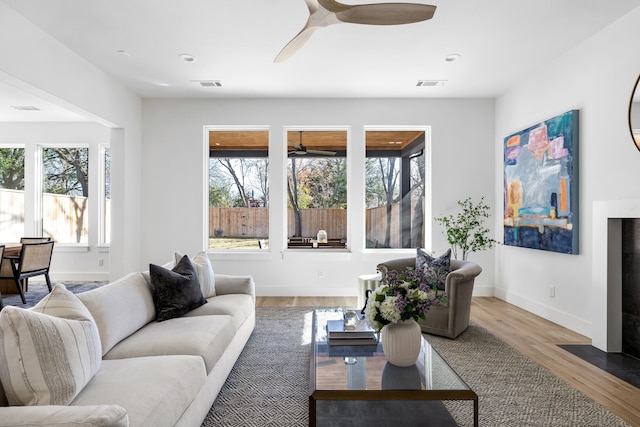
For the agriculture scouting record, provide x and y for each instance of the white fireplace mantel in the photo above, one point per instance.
(606, 271)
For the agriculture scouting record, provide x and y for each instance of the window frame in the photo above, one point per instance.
(205, 196)
(428, 216)
(39, 187)
(104, 223)
(349, 159)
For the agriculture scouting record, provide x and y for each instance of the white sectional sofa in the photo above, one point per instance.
(148, 373)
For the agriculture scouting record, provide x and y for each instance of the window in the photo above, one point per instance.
(11, 194)
(238, 189)
(395, 181)
(317, 188)
(65, 193)
(105, 182)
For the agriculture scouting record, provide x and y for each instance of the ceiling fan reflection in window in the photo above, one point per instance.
(323, 13)
(301, 150)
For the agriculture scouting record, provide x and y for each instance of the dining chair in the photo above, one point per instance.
(34, 260)
(34, 239)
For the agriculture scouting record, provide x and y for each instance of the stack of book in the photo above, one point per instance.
(362, 334)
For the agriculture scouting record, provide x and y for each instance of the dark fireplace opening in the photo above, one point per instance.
(631, 287)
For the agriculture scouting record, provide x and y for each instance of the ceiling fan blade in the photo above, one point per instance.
(295, 44)
(323, 152)
(383, 13)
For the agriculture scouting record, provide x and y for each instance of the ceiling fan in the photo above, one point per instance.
(323, 13)
(301, 150)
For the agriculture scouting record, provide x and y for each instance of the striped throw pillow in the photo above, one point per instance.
(50, 352)
(204, 271)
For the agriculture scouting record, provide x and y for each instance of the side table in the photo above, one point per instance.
(366, 282)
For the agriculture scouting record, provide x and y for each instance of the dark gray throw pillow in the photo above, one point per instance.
(434, 269)
(176, 291)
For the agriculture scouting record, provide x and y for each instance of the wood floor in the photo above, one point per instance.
(532, 336)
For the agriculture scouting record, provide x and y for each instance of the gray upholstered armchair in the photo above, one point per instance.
(452, 320)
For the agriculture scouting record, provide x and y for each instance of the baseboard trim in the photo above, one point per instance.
(79, 277)
(551, 314)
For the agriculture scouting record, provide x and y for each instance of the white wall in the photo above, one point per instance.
(596, 78)
(37, 63)
(173, 191)
(69, 262)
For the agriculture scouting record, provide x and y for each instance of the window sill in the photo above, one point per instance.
(70, 248)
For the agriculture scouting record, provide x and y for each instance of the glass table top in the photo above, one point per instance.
(364, 367)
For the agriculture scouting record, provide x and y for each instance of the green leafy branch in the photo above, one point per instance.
(466, 231)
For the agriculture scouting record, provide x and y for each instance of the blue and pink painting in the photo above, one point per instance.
(541, 186)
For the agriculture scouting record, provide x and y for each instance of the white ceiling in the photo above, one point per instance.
(235, 42)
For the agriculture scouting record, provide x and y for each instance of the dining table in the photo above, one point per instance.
(8, 286)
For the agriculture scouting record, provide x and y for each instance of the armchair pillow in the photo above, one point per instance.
(176, 291)
(50, 352)
(434, 269)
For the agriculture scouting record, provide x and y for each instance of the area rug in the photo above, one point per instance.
(269, 384)
(38, 290)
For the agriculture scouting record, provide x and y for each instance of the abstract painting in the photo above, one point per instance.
(541, 186)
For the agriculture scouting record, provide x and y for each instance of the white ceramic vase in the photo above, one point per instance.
(401, 342)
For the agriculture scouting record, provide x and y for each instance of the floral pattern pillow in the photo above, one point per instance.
(434, 269)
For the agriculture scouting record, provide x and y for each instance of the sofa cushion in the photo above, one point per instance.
(204, 270)
(48, 353)
(435, 270)
(175, 291)
(238, 306)
(120, 308)
(204, 336)
(155, 391)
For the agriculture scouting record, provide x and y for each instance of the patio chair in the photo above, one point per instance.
(34, 260)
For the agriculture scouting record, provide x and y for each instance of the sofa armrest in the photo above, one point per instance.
(228, 284)
(77, 416)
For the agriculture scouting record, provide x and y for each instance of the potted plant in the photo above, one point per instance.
(466, 231)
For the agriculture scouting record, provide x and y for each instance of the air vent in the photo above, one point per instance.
(431, 83)
(25, 108)
(208, 83)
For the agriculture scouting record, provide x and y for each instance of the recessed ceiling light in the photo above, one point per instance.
(187, 58)
(452, 57)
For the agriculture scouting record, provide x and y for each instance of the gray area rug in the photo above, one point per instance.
(37, 291)
(268, 385)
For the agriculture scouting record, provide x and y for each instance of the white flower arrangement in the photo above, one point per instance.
(401, 296)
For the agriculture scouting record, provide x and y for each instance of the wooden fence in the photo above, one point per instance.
(65, 218)
(254, 222)
(376, 226)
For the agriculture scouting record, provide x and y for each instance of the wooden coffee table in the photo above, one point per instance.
(355, 385)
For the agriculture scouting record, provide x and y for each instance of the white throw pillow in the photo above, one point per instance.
(50, 352)
(204, 270)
